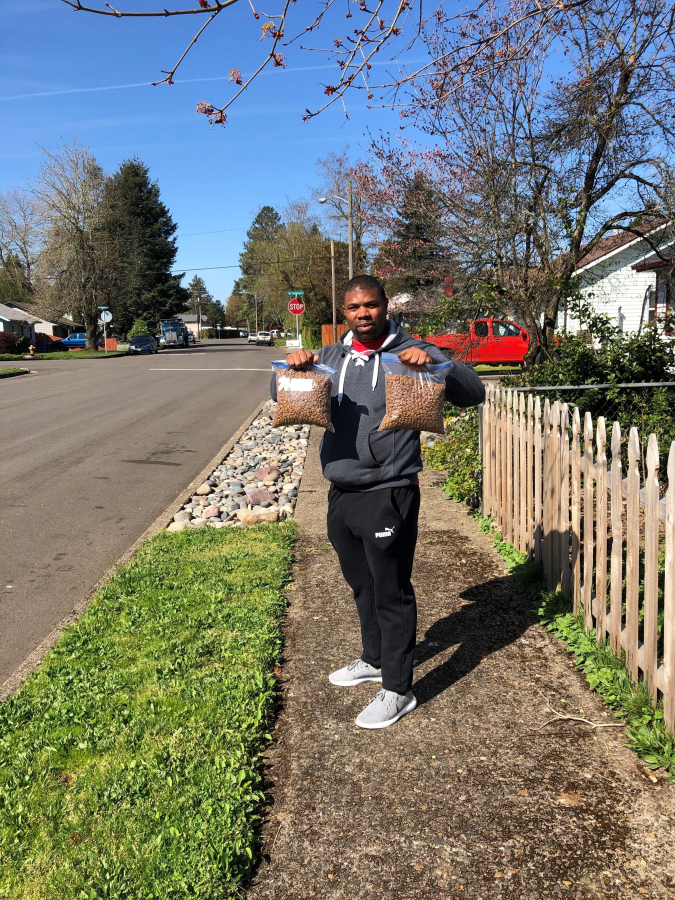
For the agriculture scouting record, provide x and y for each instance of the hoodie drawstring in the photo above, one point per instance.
(362, 357)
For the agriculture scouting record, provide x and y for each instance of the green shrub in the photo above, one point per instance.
(458, 454)
(139, 328)
(311, 337)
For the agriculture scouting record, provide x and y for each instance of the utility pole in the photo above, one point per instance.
(332, 270)
(349, 231)
(256, 312)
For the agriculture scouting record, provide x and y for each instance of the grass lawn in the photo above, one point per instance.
(130, 761)
(79, 354)
(15, 371)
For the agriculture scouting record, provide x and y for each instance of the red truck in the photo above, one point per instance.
(491, 342)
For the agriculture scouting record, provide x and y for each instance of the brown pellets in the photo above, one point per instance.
(413, 403)
(303, 398)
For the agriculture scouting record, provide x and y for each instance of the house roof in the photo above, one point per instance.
(665, 257)
(614, 242)
(195, 319)
(24, 307)
(16, 314)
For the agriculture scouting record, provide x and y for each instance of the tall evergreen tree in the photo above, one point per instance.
(264, 230)
(414, 258)
(142, 230)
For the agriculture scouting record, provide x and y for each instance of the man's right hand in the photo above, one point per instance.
(301, 359)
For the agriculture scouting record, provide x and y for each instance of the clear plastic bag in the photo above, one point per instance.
(414, 399)
(303, 397)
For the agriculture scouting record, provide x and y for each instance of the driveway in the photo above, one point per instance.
(92, 452)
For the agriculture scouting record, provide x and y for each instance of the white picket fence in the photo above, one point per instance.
(549, 488)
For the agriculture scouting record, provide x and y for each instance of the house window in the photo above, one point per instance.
(661, 301)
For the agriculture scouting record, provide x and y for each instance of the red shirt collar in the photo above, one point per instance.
(369, 345)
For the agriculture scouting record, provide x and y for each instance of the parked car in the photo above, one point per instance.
(252, 338)
(243, 332)
(276, 334)
(492, 342)
(143, 344)
(191, 337)
(264, 337)
(76, 341)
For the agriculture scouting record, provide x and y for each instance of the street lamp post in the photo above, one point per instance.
(350, 228)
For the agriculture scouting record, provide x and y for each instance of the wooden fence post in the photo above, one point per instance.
(502, 462)
(601, 531)
(529, 518)
(537, 535)
(576, 510)
(669, 599)
(651, 585)
(522, 477)
(546, 495)
(508, 509)
(564, 545)
(495, 478)
(632, 554)
(616, 585)
(588, 522)
(486, 492)
(554, 493)
(515, 465)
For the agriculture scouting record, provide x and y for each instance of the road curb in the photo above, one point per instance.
(19, 675)
(14, 374)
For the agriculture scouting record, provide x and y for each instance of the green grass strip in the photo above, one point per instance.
(606, 673)
(66, 354)
(130, 761)
(5, 373)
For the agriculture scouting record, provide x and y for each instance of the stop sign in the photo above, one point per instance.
(296, 307)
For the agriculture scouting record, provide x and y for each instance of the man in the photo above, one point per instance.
(374, 499)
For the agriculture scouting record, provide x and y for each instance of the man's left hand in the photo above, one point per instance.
(415, 358)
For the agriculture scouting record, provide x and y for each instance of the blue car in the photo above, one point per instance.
(75, 341)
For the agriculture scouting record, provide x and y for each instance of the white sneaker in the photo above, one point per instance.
(385, 708)
(355, 673)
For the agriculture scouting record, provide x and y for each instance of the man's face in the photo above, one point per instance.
(366, 314)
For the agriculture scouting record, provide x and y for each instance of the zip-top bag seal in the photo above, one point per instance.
(414, 398)
(303, 396)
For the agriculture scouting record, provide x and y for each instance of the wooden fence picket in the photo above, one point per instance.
(508, 510)
(601, 531)
(651, 582)
(554, 494)
(503, 458)
(616, 580)
(588, 522)
(564, 493)
(669, 600)
(515, 470)
(576, 511)
(536, 531)
(632, 553)
(529, 477)
(486, 455)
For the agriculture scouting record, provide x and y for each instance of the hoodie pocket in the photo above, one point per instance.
(381, 446)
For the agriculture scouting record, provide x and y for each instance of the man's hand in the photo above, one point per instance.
(415, 358)
(301, 359)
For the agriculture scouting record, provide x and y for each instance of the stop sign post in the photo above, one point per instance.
(296, 307)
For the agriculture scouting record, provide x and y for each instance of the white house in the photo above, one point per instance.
(17, 321)
(626, 279)
(192, 323)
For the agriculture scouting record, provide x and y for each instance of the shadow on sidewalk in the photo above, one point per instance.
(488, 621)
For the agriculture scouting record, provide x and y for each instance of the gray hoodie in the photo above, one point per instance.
(357, 456)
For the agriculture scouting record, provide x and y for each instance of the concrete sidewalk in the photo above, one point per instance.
(467, 796)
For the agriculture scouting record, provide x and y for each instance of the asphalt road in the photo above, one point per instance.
(91, 452)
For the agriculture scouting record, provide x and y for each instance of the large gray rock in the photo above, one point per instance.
(204, 490)
(182, 516)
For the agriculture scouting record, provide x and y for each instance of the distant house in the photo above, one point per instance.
(192, 323)
(626, 279)
(53, 328)
(17, 321)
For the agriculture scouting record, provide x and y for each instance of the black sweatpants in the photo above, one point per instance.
(374, 535)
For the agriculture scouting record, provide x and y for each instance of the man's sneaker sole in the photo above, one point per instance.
(399, 715)
(353, 681)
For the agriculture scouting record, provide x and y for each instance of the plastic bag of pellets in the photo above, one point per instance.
(303, 396)
(414, 399)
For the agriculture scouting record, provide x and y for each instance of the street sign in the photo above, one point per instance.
(296, 293)
(105, 316)
(296, 307)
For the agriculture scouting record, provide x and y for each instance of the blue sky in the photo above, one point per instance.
(213, 181)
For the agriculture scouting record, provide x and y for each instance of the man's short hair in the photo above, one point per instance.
(365, 283)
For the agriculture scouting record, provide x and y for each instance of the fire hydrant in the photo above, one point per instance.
(31, 350)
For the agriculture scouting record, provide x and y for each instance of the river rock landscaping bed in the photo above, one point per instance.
(257, 482)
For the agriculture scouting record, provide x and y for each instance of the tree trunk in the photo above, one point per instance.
(91, 325)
